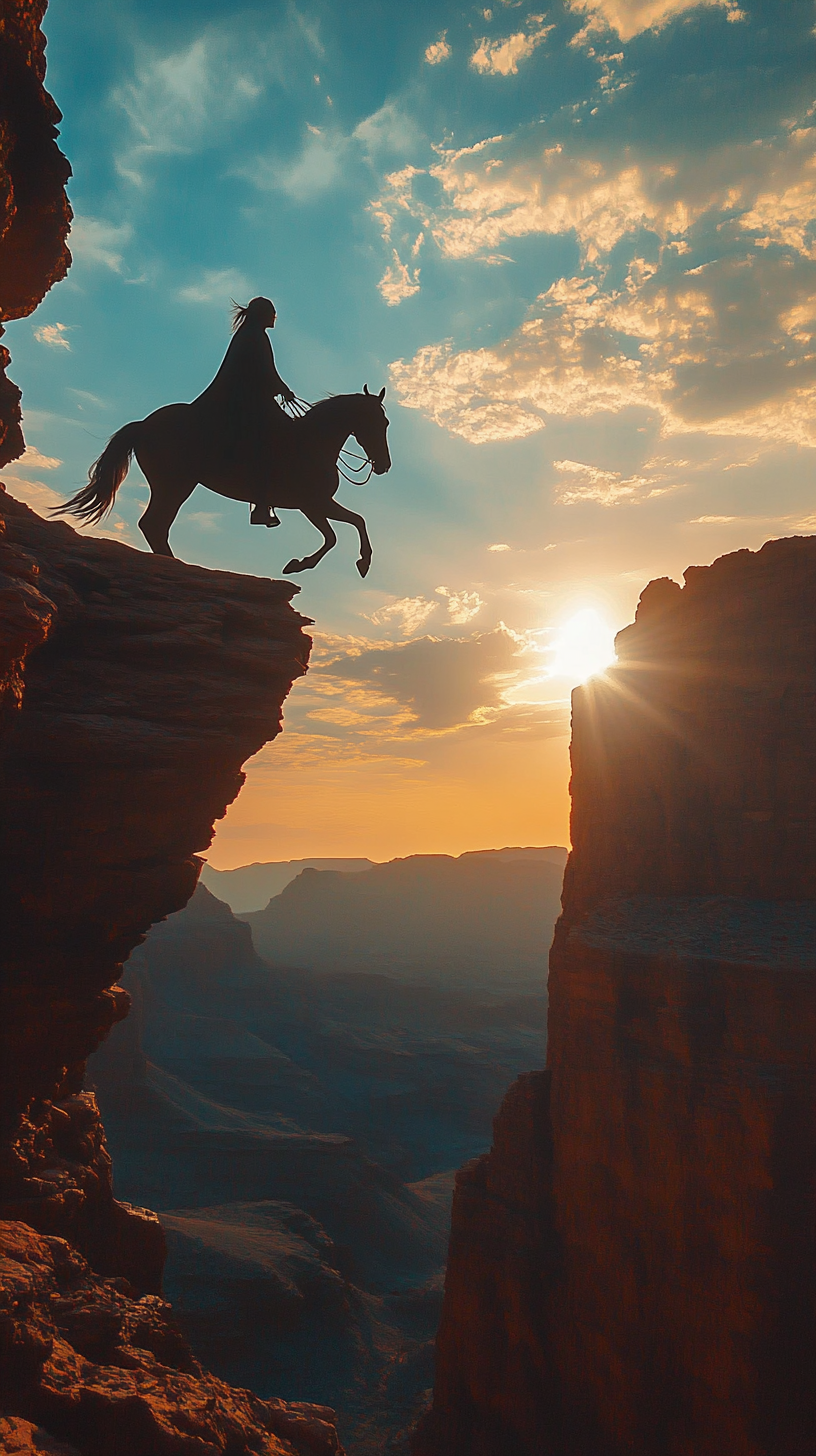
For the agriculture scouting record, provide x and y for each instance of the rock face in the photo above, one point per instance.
(94, 1365)
(632, 1267)
(34, 211)
(135, 689)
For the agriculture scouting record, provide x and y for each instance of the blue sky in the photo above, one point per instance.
(577, 245)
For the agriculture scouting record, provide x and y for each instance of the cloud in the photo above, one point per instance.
(589, 483)
(722, 344)
(499, 546)
(217, 286)
(389, 130)
(442, 683)
(317, 167)
(463, 606)
(410, 612)
(33, 459)
(502, 57)
(54, 335)
(34, 493)
(712, 520)
(631, 17)
(506, 187)
(398, 281)
(438, 50)
(98, 243)
(42, 499)
(178, 102)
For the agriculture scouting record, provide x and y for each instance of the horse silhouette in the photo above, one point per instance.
(237, 441)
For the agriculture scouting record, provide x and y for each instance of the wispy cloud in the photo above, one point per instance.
(316, 168)
(502, 57)
(55, 336)
(179, 101)
(410, 612)
(98, 243)
(216, 285)
(463, 606)
(33, 459)
(398, 281)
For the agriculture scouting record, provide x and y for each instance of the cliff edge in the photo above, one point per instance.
(133, 689)
(632, 1266)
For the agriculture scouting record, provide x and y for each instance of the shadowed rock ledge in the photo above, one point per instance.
(134, 688)
(632, 1267)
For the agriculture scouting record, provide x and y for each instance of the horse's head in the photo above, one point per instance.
(371, 430)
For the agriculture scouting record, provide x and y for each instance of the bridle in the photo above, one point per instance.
(299, 408)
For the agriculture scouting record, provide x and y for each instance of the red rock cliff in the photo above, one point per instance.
(34, 211)
(633, 1265)
(135, 688)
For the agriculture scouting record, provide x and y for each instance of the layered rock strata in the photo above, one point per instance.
(632, 1267)
(34, 212)
(135, 688)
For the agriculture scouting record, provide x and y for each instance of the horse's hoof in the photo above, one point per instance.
(293, 565)
(363, 567)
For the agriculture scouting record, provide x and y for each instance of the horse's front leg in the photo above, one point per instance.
(329, 540)
(336, 512)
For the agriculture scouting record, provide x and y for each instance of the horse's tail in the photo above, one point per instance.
(105, 477)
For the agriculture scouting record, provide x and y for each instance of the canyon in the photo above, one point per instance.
(298, 1132)
(631, 1266)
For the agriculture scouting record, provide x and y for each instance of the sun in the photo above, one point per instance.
(585, 645)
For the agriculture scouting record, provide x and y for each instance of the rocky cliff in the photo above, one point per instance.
(134, 690)
(632, 1265)
(34, 210)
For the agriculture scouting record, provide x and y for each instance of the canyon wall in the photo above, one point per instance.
(632, 1265)
(34, 211)
(135, 688)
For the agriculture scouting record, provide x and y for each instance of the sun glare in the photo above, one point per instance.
(584, 646)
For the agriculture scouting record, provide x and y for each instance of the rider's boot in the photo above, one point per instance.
(263, 515)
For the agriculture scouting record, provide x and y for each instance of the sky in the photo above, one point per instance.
(576, 244)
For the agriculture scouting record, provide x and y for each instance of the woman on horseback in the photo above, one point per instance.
(242, 402)
(236, 440)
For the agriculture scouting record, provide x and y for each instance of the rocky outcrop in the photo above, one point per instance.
(632, 1265)
(88, 1365)
(34, 211)
(135, 689)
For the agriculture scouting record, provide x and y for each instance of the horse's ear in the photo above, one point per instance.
(365, 389)
(381, 395)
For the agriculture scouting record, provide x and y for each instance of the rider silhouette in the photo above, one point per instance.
(244, 394)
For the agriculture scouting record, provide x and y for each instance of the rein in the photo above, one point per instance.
(299, 408)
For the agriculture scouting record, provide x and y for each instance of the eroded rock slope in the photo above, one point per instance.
(135, 689)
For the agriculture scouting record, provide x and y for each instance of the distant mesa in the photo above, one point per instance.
(252, 886)
(486, 917)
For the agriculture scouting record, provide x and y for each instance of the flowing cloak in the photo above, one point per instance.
(245, 425)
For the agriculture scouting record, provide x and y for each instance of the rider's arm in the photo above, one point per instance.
(276, 383)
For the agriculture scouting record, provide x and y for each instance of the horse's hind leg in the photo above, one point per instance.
(166, 500)
(336, 512)
(329, 540)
